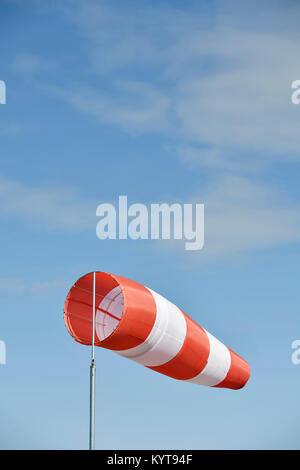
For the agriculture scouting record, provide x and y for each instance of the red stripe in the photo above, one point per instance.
(238, 373)
(138, 316)
(192, 357)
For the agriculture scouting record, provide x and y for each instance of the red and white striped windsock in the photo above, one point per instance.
(136, 322)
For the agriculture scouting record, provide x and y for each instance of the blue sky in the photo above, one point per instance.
(162, 102)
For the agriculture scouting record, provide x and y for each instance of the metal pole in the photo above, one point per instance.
(92, 374)
(92, 405)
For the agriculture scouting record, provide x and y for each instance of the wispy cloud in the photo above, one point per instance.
(11, 129)
(218, 88)
(135, 107)
(9, 286)
(242, 215)
(29, 65)
(48, 207)
(246, 106)
(195, 156)
(207, 82)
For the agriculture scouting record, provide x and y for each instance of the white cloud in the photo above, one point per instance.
(193, 156)
(246, 106)
(30, 65)
(241, 215)
(206, 79)
(118, 37)
(135, 106)
(218, 85)
(223, 87)
(16, 286)
(11, 129)
(49, 207)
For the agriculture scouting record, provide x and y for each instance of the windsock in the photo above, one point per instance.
(136, 322)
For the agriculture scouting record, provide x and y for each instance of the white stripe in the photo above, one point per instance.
(217, 366)
(165, 339)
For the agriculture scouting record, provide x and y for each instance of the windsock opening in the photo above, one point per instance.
(109, 306)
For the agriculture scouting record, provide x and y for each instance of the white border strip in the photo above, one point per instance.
(218, 364)
(165, 339)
